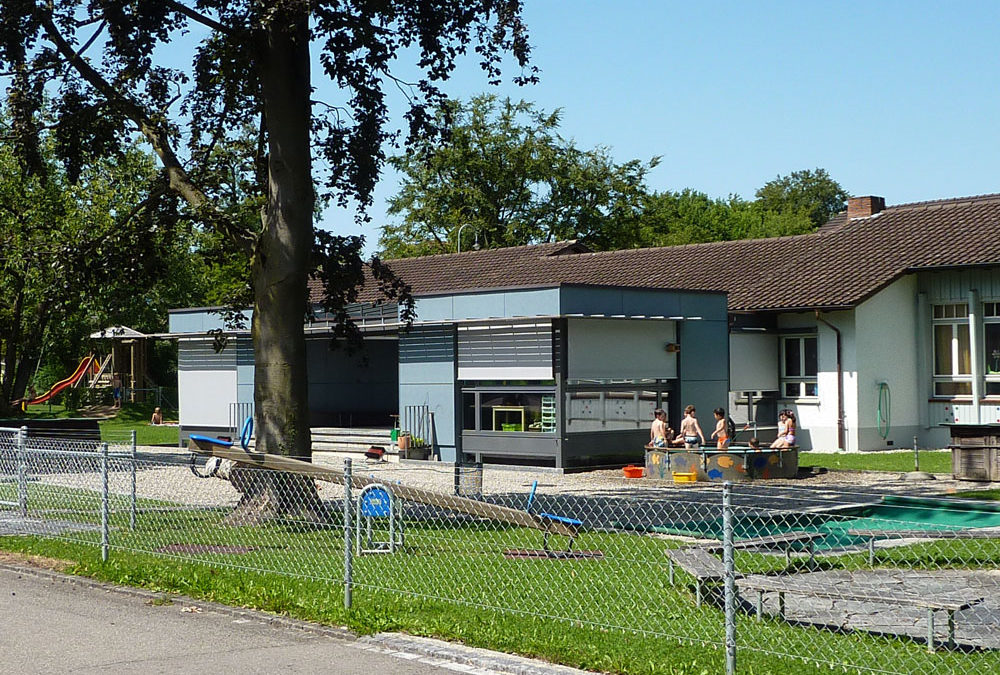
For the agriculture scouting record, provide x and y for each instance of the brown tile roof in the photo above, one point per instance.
(842, 264)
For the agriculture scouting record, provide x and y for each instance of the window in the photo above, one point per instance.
(509, 411)
(991, 347)
(952, 352)
(799, 365)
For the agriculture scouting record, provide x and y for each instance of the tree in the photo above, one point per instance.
(504, 170)
(813, 193)
(253, 66)
(73, 258)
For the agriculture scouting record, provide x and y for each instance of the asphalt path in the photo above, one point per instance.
(56, 625)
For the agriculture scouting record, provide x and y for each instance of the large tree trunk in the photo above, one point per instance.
(280, 272)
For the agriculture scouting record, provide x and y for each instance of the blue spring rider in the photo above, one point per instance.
(212, 465)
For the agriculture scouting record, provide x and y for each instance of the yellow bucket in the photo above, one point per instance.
(685, 476)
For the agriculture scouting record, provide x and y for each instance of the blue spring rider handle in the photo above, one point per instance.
(246, 433)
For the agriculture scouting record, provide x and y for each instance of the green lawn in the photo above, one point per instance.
(136, 416)
(991, 495)
(618, 614)
(118, 429)
(934, 461)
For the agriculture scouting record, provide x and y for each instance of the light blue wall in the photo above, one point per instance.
(494, 304)
(427, 376)
(199, 320)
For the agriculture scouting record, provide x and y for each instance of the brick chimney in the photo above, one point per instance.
(863, 207)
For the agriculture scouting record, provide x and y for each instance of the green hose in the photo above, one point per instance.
(882, 414)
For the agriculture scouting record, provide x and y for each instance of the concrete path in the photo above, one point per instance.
(55, 623)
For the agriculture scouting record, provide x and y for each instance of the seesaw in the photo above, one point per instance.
(546, 523)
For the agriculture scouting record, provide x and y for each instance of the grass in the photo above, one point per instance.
(989, 495)
(934, 461)
(135, 416)
(452, 581)
(132, 416)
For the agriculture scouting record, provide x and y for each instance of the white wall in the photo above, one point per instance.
(818, 419)
(753, 362)
(207, 382)
(888, 351)
(204, 397)
(621, 349)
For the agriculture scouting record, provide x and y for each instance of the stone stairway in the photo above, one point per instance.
(352, 442)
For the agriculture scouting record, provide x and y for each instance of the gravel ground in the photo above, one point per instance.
(165, 475)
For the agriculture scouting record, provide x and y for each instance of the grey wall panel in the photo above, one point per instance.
(427, 368)
(709, 306)
(505, 351)
(954, 285)
(200, 355)
(704, 368)
(621, 349)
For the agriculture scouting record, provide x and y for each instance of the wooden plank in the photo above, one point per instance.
(464, 505)
(768, 541)
(697, 562)
(976, 533)
(773, 585)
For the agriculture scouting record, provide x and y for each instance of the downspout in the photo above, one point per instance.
(841, 436)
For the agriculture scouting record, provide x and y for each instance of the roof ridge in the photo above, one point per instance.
(950, 201)
(483, 251)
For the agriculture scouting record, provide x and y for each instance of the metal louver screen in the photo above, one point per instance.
(512, 351)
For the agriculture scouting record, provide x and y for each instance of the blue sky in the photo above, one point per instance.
(897, 99)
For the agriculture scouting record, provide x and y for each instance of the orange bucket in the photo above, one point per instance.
(633, 471)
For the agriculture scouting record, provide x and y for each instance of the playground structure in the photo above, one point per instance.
(125, 356)
(87, 365)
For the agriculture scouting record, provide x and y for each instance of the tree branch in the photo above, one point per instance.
(195, 16)
(179, 180)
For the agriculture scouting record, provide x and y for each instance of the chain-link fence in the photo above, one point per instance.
(855, 579)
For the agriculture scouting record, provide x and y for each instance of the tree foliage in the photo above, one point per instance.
(80, 251)
(810, 192)
(504, 170)
(103, 62)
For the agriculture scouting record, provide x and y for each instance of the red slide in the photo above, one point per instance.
(70, 381)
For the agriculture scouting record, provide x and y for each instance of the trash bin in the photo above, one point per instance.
(469, 480)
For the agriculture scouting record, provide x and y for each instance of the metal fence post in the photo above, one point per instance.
(105, 510)
(348, 551)
(22, 471)
(133, 508)
(730, 576)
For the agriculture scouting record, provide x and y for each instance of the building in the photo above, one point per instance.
(881, 328)
(521, 355)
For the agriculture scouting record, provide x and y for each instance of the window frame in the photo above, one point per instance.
(991, 317)
(955, 315)
(802, 380)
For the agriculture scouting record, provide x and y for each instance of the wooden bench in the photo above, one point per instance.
(968, 533)
(700, 564)
(784, 540)
(764, 584)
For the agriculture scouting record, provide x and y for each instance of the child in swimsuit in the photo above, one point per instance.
(659, 432)
(690, 429)
(721, 434)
